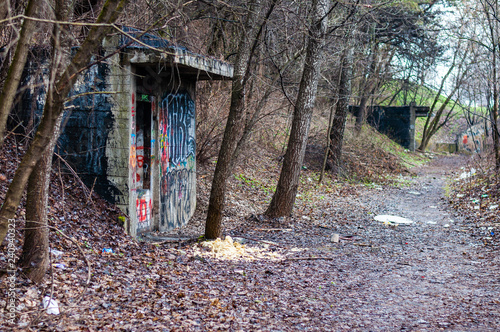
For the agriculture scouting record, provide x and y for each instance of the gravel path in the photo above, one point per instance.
(431, 275)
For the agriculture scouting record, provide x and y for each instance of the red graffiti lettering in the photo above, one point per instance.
(140, 160)
(142, 210)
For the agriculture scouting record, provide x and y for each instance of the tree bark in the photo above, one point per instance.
(366, 87)
(54, 106)
(286, 190)
(16, 67)
(234, 123)
(340, 117)
(35, 256)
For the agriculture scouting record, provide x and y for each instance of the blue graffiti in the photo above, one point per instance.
(177, 154)
(180, 127)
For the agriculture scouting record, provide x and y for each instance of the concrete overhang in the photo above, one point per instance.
(147, 49)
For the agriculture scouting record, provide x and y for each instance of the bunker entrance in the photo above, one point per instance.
(143, 132)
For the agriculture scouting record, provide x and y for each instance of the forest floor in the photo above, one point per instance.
(442, 272)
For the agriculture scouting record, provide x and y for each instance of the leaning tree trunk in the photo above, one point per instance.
(225, 160)
(340, 117)
(35, 256)
(288, 183)
(15, 71)
(53, 109)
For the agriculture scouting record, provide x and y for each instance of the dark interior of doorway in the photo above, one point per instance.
(143, 126)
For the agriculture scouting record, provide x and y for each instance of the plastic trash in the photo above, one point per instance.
(56, 253)
(466, 175)
(50, 305)
(394, 220)
(335, 238)
(107, 250)
(60, 266)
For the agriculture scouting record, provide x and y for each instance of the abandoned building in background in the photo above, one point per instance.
(130, 127)
(397, 122)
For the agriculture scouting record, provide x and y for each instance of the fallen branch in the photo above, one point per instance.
(309, 258)
(263, 241)
(275, 229)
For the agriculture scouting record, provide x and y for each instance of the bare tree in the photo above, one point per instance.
(34, 258)
(242, 71)
(54, 107)
(336, 133)
(286, 190)
(438, 116)
(15, 71)
(491, 12)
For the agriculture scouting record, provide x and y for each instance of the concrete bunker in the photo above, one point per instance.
(131, 129)
(397, 122)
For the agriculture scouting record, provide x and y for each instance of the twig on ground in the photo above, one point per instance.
(263, 241)
(310, 258)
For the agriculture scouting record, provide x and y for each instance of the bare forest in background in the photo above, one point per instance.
(299, 65)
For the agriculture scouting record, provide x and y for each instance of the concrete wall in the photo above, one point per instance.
(89, 125)
(396, 122)
(150, 174)
(473, 140)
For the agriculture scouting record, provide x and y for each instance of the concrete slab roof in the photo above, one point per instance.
(146, 48)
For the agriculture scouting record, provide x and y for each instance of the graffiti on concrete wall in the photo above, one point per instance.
(177, 160)
(133, 146)
(473, 139)
(143, 210)
(178, 196)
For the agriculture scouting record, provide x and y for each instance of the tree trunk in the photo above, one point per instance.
(34, 258)
(494, 117)
(286, 190)
(340, 117)
(367, 86)
(234, 123)
(16, 67)
(361, 114)
(54, 106)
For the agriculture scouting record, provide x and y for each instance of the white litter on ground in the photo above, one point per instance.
(51, 306)
(394, 220)
(466, 175)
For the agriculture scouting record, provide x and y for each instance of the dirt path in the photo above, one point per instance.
(290, 276)
(431, 275)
